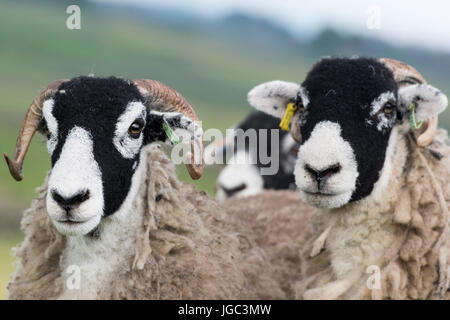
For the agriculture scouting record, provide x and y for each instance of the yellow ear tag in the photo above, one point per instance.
(288, 114)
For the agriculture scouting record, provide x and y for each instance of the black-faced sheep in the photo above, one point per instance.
(112, 221)
(241, 175)
(382, 188)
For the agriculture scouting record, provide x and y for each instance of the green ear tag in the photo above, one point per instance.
(412, 118)
(173, 138)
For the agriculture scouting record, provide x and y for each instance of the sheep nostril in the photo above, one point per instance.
(71, 202)
(335, 168)
(324, 174)
(231, 191)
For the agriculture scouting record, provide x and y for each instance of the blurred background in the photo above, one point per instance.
(212, 51)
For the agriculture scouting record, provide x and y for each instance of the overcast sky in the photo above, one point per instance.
(424, 23)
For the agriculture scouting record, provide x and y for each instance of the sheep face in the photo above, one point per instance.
(241, 175)
(95, 129)
(347, 112)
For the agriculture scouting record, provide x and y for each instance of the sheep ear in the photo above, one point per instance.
(424, 100)
(169, 126)
(272, 97)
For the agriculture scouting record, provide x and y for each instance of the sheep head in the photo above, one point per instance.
(96, 129)
(347, 110)
(241, 176)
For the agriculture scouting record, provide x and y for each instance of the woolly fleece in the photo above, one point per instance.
(185, 249)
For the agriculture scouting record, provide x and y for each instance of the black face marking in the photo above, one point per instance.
(72, 202)
(43, 128)
(230, 191)
(95, 105)
(354, 84)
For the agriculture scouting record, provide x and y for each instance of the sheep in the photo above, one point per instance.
(380, 185)
(241, 175)
(112, 220)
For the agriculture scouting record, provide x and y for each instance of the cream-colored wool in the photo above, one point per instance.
(400, 230)
(184, 249)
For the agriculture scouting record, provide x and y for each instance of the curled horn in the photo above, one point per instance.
(163, 98)
(404, 75)
(29, 126)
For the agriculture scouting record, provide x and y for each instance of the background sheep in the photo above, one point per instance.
(382, 227)
(241, 175)
(142, 234)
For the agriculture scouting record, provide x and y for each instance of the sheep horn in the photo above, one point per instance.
(405, 74)
(29, 126)
(165, 99)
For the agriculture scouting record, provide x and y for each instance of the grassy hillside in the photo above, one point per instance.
(212, 65)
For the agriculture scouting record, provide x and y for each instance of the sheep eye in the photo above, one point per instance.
(46, 133)
(388, 108)
(136, 128)
(301, 108)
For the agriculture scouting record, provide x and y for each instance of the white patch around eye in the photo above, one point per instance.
(383, 122)
(126, 145)
(52, 125)
(379, 102)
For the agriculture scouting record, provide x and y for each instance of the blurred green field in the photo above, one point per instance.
(36, 48)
